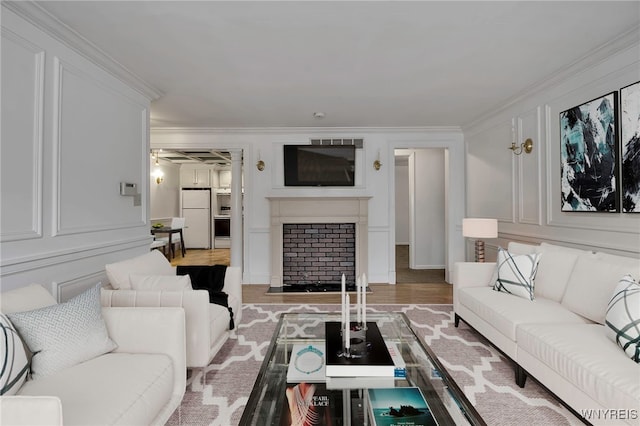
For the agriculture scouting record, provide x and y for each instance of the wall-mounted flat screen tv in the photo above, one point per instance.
(319, 165)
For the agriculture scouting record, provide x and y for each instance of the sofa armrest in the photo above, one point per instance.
(16, 410)
(151, 330)
(470, 274)
(197, 315)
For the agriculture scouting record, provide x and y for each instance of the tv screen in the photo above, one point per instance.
(319, 165)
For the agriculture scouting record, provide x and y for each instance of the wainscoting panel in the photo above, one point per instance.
(88, 175)
(22, 120)
(530, 169)
(73, 268)
(624, 223)
(491, 174)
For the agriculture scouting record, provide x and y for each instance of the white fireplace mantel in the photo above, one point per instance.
(318, 210)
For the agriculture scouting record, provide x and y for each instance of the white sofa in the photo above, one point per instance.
(207, 324)
(559, 337)
(141, 382)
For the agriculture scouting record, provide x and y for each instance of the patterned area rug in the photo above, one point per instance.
(485, 376)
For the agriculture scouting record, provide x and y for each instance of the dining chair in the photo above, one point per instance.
(176, 223)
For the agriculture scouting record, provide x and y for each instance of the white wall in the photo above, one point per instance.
(402, 200)
(71, 132)
(523, 192)
(164, 197)
(379, 185)
(427, 209)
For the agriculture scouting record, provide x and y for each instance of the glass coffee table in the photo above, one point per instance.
(346, 398)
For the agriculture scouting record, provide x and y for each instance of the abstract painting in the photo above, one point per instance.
(589, 156)
(630, 141)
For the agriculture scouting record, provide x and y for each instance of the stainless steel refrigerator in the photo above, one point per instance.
(196, 209)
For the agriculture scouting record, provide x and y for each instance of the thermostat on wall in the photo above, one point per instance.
(128, 188)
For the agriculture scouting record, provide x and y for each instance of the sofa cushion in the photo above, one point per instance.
(116, 388)
(554, 270)
(160, 282)
(152, 263)
(27, 298)
(592, 282)
(623, 317)
(516, 273)
(64, 335)
(583, 355)
(15, 364)
(506, 312)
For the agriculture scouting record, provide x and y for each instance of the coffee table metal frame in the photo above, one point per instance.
(267, 401)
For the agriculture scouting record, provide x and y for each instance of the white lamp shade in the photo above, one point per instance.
(480, 228)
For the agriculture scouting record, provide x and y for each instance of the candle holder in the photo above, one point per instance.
(357, 342)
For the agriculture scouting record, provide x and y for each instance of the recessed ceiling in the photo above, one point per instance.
(241, 64)
(210, 157)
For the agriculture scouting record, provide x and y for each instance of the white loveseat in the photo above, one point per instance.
(141, 382)
(207, 324)
(559, 337)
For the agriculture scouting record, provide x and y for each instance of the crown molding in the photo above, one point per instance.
(311, 130)
(624, 41)
(42, 19)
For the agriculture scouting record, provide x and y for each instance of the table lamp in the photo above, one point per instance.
(479, 228)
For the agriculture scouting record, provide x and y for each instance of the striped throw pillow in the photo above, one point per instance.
(622, 318)
(15, 365)
(516, 273)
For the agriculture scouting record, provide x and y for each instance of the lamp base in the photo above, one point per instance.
(480, 251)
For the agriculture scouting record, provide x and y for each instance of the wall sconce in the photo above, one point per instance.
(479, 228)
(260, 163)
(376, 163)
(158, 175)
(526, 146)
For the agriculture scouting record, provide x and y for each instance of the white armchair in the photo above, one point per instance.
(207, 324)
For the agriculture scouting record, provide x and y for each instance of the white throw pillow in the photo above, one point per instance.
(623, 317)
(592, 282)
(160, 282)
(152, 263)
(15, 365)
(61, 336)
(516, 273)
(556, 266)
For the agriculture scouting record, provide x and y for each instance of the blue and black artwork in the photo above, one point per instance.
(630, 134)
(589, 156)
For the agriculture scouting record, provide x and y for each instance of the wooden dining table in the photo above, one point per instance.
(170, 231)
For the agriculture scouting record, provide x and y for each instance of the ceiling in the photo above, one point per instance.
(193, 156)
(237, 64)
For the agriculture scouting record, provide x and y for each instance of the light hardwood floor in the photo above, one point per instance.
(438, 292)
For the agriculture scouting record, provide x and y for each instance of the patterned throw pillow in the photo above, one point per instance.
(15, 365)
(61, 336)
(516, 274)
(623, 317)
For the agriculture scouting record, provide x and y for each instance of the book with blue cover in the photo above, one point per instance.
(399, 407)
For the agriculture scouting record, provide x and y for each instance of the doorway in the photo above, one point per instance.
(420, 215)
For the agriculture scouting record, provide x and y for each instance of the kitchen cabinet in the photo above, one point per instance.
(195, 178)
(224, 177)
